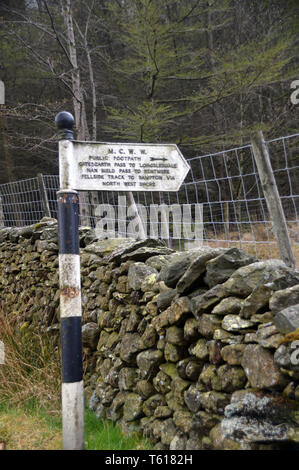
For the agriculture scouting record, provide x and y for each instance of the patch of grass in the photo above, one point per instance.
(31, 427)
(32, 368)
(104, 435)
(30, 394)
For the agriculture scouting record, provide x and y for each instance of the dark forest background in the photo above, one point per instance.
(203, 74)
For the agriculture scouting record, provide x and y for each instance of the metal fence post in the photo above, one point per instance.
(70, 294)
(279, 225)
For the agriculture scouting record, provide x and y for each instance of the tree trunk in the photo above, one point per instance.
(78, 101)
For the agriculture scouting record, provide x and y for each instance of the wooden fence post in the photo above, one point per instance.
(131, 202)
(44, 195)
(2, 219)
(279, 225)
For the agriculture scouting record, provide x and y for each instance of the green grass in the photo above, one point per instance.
(104, 435)
(29, 427)
(30, 395)
(32, 427)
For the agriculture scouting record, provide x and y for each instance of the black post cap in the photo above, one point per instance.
(65, 122)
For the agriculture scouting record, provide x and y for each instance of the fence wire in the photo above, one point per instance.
(222, 194)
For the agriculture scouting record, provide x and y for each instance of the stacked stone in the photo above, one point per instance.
(184, 335)
(29, 271)
(29, 279)
(183, 347)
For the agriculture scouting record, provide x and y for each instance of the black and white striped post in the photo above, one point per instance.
(70, 292)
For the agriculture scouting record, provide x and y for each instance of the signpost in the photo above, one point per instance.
(95, 166)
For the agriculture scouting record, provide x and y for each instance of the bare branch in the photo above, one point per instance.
(56, 33)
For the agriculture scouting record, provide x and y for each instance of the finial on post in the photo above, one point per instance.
(65, 122)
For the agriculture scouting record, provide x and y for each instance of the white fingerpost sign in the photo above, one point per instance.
(95, 166)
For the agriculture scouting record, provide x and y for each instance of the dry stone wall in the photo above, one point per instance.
(195, 349)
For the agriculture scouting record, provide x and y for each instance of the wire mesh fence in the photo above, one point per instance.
(221, 202)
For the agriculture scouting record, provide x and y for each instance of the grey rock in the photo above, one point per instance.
(178, 443)
(261, 369)
(192, 397)
(226, 337)
(194, 442)
(214, 402)
(124, 247)
(254, 419)
(282, 299)
(287, 320)
(162, 412)
(173, 353)
(132, 407)
(150, 405)
(90, 335)
(105, 247)
(230, 305)
(203, 422)
(235, 323)
(50, 233)
(243, 429)
(232, 354)
(145, 389)
(165, 298)
(250, 338)
(193, 370)
(177, 266)
(143, 253)
(223, 266)
(25, 232)
(127, 378)
(196, 269)
(189, 368)
(175, 335)
(168, 431)
(207, 324)
(183, 420)
(200, 350)
(4, 233)
(219, 441)
(115, 410)
(204, 302)
(231, 378)
(191, 332)
(137, 274)
(158, 262)
(268, 336)
(129, 347)
(106, 393)
(148, 362)
(162, 382)
(94, 401)
(100, 411)
(257, 300)
(273, 273)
